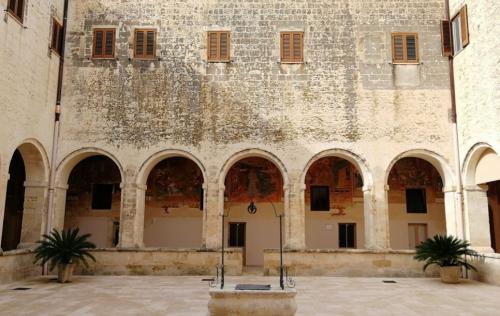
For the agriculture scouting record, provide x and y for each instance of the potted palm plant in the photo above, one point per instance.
(64, 250)
(448, 252)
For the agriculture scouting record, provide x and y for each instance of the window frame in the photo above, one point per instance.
(14, 12)
(92, 195)
(94, 41)
(144, 56)
(58, 42)
(462, 19)
(405, 60)
(312, 187)
(426, 206)
(417, 225)
(218, 58)
(354, 241)
(293, 60)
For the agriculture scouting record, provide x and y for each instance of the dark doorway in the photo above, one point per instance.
(237, 236)
(14, 204)
(492, 230)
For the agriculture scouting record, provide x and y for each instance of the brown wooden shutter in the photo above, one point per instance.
(224, 46)
(212, 46)
(411, 48)
(464, 26)
(20, 9)
(98, 47)
(397, 48)
(446, 42)
(56, 43)
(109, 43)
(297, 47)
(286, 47)
(150, 44)
(12, 5)
(139, 43)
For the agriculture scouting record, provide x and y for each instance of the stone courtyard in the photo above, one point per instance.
(183, 296)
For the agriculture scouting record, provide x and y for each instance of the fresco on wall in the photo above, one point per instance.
(415, 172)
(175, 182)
(342, 178)
(254, 179)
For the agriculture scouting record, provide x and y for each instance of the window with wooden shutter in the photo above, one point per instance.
(145, 43)
(57, 40)
(104, 43)
(446, 44)
(292, 47)
(460, 30)
(16, 9)
(405, 48)
(218, 48)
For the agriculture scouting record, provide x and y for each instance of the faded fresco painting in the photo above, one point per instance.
(254, 179)
(415, 172)
(342, 178)
(175, 182)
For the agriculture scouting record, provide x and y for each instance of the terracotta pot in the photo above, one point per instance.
(65, 272)
(450, 275)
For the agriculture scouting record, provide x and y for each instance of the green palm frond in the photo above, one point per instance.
(444, 251)
(64, 247)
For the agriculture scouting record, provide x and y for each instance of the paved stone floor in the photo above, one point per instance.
(153, 295)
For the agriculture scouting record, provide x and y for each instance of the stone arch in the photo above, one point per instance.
(151, 162)
(481, 207)
(63, 172)
(471, 161)
(71, 160)
(253, 152)
(34, 193)
(431, 157)
(354, 159)
(410, 224)
(176, 219)
(357, 213)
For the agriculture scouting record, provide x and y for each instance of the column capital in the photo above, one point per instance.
(476, 188)
(63, 187)
(366, 188)
(387, 187)
(36, 184)
(138, 186)
(449, 189)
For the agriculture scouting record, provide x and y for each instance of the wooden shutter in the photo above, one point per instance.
(104, 43)
(218, 46)
(292, 47)
(16, 7)
(405, 48)
(56, 43)
(224, 46)
(145, 44)
(446, 42)
(464, 26)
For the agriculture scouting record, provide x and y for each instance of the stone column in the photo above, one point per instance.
(133, 202)
(376, 216)
(477, 218)
(294, 221)
(59, 208)
(453, 219)
(34, 211)
(4, 179)
(214, 208)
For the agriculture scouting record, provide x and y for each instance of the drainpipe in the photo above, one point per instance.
(459, 202)
(55, 134)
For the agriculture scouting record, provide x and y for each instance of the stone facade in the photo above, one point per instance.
(346, 100)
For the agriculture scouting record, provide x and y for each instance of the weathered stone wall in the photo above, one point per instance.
(17, 265)
(346, 95)
(28, 77)
(353, 263)
(477, 76)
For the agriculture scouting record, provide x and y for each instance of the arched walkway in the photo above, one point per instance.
(26, 194)
(416, 201)
(88, 195)
(481, 173)
(334, 201)
(253, 196)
